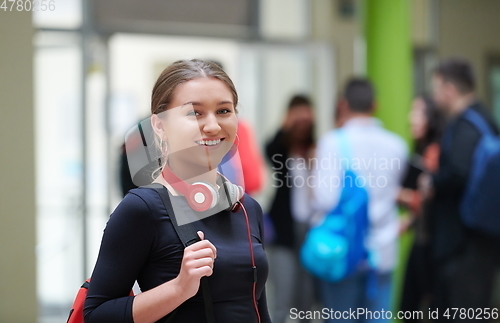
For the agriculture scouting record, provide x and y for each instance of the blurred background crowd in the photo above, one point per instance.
(395, 75)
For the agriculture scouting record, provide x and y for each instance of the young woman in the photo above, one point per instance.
(289, 152)
(426, 124)
(195, 123)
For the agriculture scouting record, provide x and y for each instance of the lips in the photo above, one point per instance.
(209, 143)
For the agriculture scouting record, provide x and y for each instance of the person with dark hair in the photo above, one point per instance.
(289, 152)
(359, 95)
(426, 125)
(194, 124)
(124, 178)
(379, 158)
(464, 259)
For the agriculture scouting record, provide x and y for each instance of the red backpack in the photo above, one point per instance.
(76, 313)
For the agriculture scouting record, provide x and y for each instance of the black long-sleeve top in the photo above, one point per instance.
(457, 149)
(280, 211)
(139, 243)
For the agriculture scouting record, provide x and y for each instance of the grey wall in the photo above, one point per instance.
(17, 170)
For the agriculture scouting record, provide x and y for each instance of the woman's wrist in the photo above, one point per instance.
(179, 289)
(158, 302)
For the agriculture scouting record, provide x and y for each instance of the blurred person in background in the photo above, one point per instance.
(290, 152)
(464, 259)
(372, 147)
(426, 125)
(124, 178)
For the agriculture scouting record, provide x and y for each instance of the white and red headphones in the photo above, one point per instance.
(202, 196)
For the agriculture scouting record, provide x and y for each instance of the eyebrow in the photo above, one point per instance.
(199, 104)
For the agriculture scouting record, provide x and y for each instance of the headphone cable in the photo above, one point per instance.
(254, 267)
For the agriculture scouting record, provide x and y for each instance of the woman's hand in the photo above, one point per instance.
(197, 261)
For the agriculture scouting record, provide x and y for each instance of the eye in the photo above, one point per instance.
(193, 113)
(224, 111)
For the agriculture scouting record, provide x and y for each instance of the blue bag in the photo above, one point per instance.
(480, 205)
(335, 248)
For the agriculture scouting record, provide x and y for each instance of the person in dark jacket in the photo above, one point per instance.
(464, 260)
(426, 124)
(289, 152)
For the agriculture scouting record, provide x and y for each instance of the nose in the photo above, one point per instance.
(211, 124)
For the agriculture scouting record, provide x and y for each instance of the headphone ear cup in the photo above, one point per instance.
(202, 196)
(234, 193)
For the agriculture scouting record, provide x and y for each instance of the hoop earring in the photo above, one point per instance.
(163, 147)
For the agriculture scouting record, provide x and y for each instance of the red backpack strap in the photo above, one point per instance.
(76, 313)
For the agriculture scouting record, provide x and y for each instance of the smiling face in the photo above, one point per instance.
(199, 125)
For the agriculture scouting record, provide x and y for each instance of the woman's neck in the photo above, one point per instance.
(191, 173)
